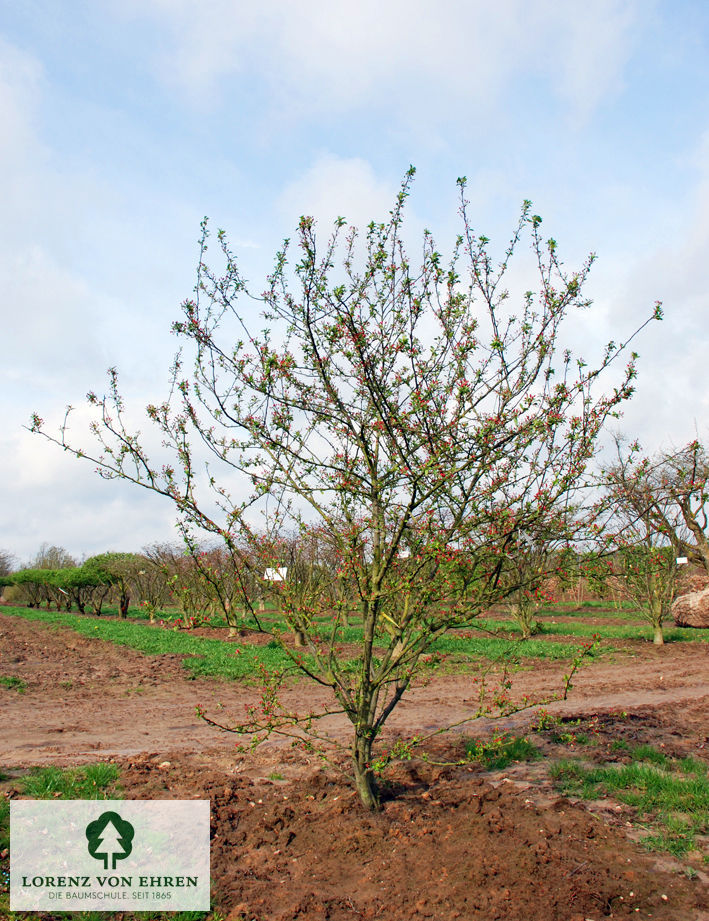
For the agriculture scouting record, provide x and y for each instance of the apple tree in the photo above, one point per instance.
(414, 414)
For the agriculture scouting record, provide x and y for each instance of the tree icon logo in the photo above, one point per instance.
(110, 839)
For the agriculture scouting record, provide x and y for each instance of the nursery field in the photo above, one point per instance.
(592, 807)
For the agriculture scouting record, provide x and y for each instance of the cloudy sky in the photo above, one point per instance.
(123, 123)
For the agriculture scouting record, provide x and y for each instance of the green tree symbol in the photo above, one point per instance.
(110, 839)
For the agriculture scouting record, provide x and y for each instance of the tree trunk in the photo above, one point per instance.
(656, 617)
(298, 638)
(364, 779)
(699, 536)
(125, 598)
(525, 622)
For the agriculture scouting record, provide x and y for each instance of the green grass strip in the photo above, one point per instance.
(93, 781)
(212, 657)
(88, 782)
(629, 632)
(503, 751)
(217, 658)
(638, 631)
(597, 607)
(669, 793)
(494, 647)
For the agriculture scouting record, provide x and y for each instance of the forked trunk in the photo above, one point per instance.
(525, 622)
(231, 620)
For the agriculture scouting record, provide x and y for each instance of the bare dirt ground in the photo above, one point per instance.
(289, 838)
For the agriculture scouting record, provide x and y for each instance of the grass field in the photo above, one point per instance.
(670, 797)
(487, 639)
(208, 657)
(217, 658)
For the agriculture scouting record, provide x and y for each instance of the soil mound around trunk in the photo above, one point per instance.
(451, 843)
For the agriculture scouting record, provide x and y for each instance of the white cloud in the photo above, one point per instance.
(52, 496)
(20, 77)
(21, 153)
(589, 44)
(671, 405)
(405, 55)
(44, 308)
(335, 186)
(87, 277)
(53, 322)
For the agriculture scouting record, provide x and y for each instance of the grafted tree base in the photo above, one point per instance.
(366, 788)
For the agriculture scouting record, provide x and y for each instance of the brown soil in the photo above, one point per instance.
(290, 840)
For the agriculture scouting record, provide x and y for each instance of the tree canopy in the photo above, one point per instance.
(409, 417)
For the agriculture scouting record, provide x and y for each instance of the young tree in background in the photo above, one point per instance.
(648, 571)
(7, 563)
(36, 582)
(528, 566)
(650, 505)
(679, 486)
(80, 586)
(150, 583)
(221, 577)
(118, 570)
(670, 489)
(399, 409)
(51, 557)
(32, 586)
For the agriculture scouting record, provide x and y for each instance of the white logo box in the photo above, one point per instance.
(109, 855)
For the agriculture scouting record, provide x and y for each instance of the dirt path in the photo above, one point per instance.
(86, 697)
